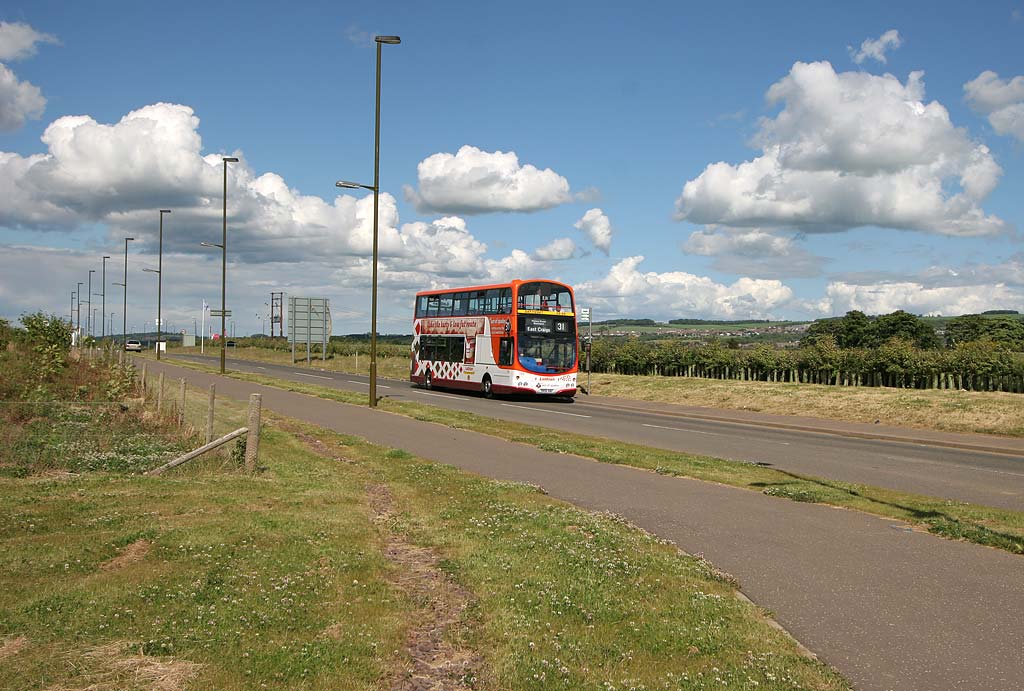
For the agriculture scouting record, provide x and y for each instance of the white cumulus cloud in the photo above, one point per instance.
(753, 252)
(919, 298)
(1001, 100)
(19, 101)
(847, 150)
(18, 40)
(627, 291)
(558, 249)
(473, 181)
(598, 228)
(876, 48)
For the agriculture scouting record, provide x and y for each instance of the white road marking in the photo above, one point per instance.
(543, 410)
(258, 367)
(366, 383)
(958, 466)
(713, 434)
(315, 376)
(439, 395)
(680, 429)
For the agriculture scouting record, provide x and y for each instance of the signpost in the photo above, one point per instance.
(585, 317)
(309, 321)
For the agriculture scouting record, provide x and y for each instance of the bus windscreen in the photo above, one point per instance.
(544, 296)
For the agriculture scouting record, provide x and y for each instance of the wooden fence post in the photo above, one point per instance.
(209, 414)
(252, 439)
(181, 412)
(143, 381)
(159, 393)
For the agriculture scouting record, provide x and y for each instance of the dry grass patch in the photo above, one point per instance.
(135, 552)
(12, 646)
(114, 667)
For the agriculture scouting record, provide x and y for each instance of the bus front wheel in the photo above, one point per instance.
(486, 387)
(428, 381)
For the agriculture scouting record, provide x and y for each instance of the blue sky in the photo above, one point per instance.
(865, 191)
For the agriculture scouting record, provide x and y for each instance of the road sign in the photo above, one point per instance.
(218, 313)
(584, 314)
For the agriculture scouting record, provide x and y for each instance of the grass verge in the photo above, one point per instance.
(983, 525)
(208, 578)
(943, 410)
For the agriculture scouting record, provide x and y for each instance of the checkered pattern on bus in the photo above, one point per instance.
(438, 370)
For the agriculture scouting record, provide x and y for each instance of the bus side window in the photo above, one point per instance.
(505, 352)
(456, 349)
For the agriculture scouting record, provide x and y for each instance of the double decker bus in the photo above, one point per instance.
(509, 338)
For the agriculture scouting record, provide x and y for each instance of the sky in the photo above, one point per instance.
(729, 160)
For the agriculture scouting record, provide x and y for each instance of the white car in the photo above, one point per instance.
(134, 346)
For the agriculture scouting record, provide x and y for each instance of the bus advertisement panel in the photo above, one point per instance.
(511, 338)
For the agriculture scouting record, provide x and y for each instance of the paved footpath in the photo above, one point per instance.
(891, 608)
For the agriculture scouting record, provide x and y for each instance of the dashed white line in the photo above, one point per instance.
(258, 367)
(680, 429)
(315, 376)
(544, 410)
(366, 383)
(439, 395)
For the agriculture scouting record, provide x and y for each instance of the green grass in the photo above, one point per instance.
(280, 580)
(989, 526)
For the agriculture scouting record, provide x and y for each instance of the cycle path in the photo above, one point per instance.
(891, 608)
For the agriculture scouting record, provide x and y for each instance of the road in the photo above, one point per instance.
(937, 464)
(891, 608)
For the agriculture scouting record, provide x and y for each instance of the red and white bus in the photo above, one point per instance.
(508, 338)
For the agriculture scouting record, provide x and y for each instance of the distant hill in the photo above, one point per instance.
(717, 322)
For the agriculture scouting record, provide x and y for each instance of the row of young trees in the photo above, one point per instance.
(977, 365)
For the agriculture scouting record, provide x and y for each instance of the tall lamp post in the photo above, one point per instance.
(88, 311)
(124, 309)
(159, 271)
(78, 312)
(223, 265)
(375, 187)
(103, 303)
(159, 275)
(71, 317)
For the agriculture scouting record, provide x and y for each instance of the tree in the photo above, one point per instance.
(855, 330)
(1007, 330)
(964, 329)
(832, 327)
(906, 326)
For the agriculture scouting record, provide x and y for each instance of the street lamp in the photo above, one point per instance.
(124, 311)
(159, 281)
(104, 294)
(72, 316)
(159, 276)
(88, 311)
(380, 40)
(78, 313)
(223, 264)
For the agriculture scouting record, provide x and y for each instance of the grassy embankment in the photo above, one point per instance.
(943, 410)
(333, 567)
(952, 519)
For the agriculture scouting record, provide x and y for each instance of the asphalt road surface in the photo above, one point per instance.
(893, 609)
(951, 466)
